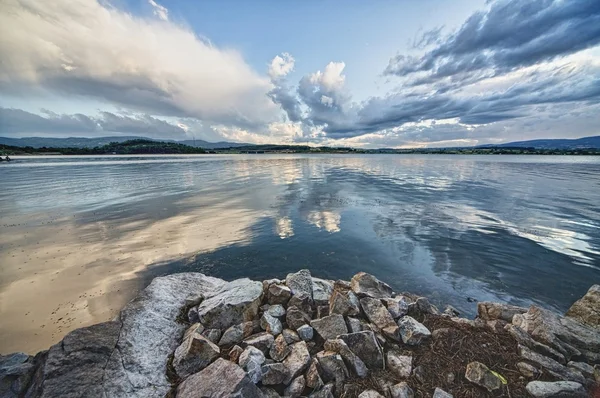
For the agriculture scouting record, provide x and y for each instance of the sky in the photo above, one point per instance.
(392, 74)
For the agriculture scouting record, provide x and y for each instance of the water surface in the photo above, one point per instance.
(81, 235)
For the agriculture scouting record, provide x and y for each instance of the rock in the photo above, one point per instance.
(392, 332)
(481, 375)
(195, 328)
(343, 302)
(370, 394)
(276, 310)
(236, 302)
(273, 373)
(562, 389)
(322, 310)
(585, 369)
(233, 382)
(271, 324)
(268, 282)
(280, 349)
(295, 317)
(290, 336)
(551, 365)
(212, 334)
(333, 367)
(587, 309)
(397, 306)
(451, 311)
(491, 311)
(322, 290)
(351, 360)
(263, 341)
(305, 332)
(496, 326)
(330, 327)
(279, 294)
(525, 339)
(400, 365)
(235, 352)
(312, 377)
(364, 344)
(16, 372)
(412, 331)
(325, 392)
(295, 388)
(439, 393)
(269, 393)
(192, 315)
(236, 333)
(354, 325)
(401, 390)
(528, 370)
(364, 284)
(422, 306)
(251, 361)
(303, 302)
(377, 312)
(297, 361)
(194, 354)
(300, 283)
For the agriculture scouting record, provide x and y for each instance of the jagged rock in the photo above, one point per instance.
(496, 326)
(195, 328)
(350, 358)
(481, 375)
(397, 306)
(322, 290)
(236, 302)
(330, 327)
(333, 367)
(276, 310)
(585, 369)
(194, 354)
(528, 370)
(290, 336)
(212, 334)
(274, 373)
(269, 393)
(354, 325)
(557, 389)
(278, 294)
(271, 324)
(297, 361)
(305, 332)
(401, 390)
(235, 352)
(364, 344)
(303, 302)
(295, 388)
(300, 283)
(268, 282)
(525, 339)
(322, 310)
(295, 317)
(263, 341)
(370, 394)
(377, 312)
(251, 361)
(400, 365)
(439, 393)
(364, 284)
(451, 311)
(343, 302)
(551, 365)
(280, 349)
(491, 311)
(412, 331)
(16, 371)
(192, 315)
(236, 333)
(232, 382)
(587, 309)
(325, 392)
(313, 379)
(392, 332)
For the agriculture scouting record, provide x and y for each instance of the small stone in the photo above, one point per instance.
(344, 302)
(263, 341)
(400, 365)
(305, 332)
(364, 284)
(235, 352)
(236, 333)
(333, 367)
(192, 315)
(194, 354)
(377, 312)
(330, 327)
(274, 373)
(370, 394)
(300, 283)
(401, 390)
(276, 310)
(271, 324)
(450, 377)
(322, 290)
(251, 361)
(563, 389)
(481, 375)
(295, 317)
(290, 336)
(528, 370)
(313, 379)
(295, 388)
(212, 334)
(280, 349)
(364, 344)
(439, 393)
(303, 302)
(419, 373)
(279, 294)
(325, 392)
(354, 325)
(195, 328)
(297, 361)
(350, 358)
(412, 331)
(422, 306)
(397, 306)
(322, 310)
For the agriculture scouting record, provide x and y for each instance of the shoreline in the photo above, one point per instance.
(306, 335)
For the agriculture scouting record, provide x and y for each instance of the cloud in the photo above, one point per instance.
(281, 65)
(159, 11)
(92, 49)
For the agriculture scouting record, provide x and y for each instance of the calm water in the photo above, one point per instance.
(81, 235)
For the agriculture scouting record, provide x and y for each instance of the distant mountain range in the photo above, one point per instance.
(81, 142)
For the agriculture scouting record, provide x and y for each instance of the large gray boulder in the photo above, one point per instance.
(232, 382)
(194, 354)
(16, 372)
(587, 309)
(322, 290)
(329, 327)
(300, 283)
(557, 389)
(234, 303)
(364, 284)
(364, 344)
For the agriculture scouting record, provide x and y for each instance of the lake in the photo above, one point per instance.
(81, 235)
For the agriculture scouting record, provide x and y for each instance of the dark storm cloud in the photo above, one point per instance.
(288, 101)
(15, 122)
(511, 34)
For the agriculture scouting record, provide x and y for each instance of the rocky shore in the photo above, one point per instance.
(189, 335)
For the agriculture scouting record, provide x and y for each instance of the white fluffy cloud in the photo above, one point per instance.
(281, 65)
(160, 11)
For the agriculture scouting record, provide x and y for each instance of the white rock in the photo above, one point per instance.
(251, 361)
(401, 390)
(300, 283)
(412, 331)
(563, 389)
(439, 393)
(400, 365)
(370, 394)
(276, 310)
(271, 324)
